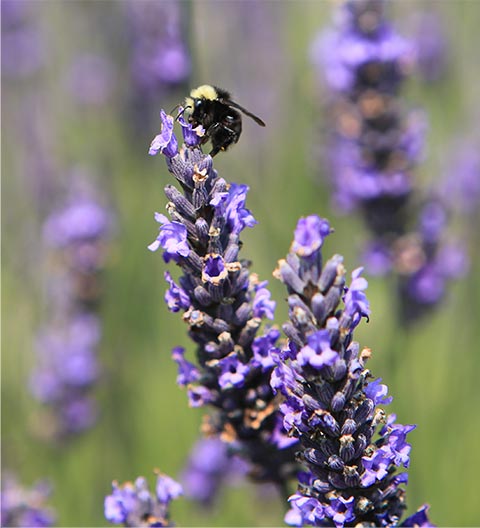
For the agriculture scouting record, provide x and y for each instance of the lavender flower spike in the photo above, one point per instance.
(133, 504)
(351, 449)
(67, 367)
(224, 306)
(25, 507)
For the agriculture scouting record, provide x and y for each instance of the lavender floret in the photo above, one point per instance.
(210, 468)
(25, 506)
(224, 306)
(351, 449)
(133, 504)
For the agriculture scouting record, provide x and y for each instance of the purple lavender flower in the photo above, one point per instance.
(66, 354)
(172, 238)
(210, 468)
(66, 369)
(23, 46)
(133, 504)
(431, 46)
(362, 48)
(224, 305)
(427, 261)
(373, 148)
(175, 297)
(90, 79)
(461, 183)
(25, 507)
(159, 55)
(165, 142)
(351, 449)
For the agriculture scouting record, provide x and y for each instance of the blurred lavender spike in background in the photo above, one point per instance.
(75, 238)
(427, 260)
(22, 506)
(374, 146)
(227, 305)
(159, 55)
(351, 449)
(431, 45)
(133, 504)
(210, 468)
(23, 47)
(461, 182)
(90, 79)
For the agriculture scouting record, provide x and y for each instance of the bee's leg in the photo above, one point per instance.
(228, 136)
(215, 150)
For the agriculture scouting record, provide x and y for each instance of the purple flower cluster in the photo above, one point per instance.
(133, 504)
(159, 53)
(23, 46)
(210, 468)
(223, 304)
(67, 365)
(432, 54)
(350, 448)
(25, 507)
(373, 150)
(423, 261)
(373, 146)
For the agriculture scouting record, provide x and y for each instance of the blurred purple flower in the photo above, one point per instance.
(210, 468)
(133, 504)
(66, 366)
(90, 79)
(159, 55)
(24, 506)
(23, 46)
(431, 45)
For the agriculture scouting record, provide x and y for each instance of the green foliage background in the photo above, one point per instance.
(259, 50)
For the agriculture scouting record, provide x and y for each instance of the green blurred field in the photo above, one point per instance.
(259, 51)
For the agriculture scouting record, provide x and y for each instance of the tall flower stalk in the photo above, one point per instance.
(373, 151)
(67, 366)
(351, 449)
(223, 304)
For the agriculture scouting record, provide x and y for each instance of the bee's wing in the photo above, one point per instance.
(233, 104)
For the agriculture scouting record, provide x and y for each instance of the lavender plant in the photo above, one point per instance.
(67, 365)
(351, 449)
(224, 305)
(374, 148)
(23, 45)
(22, 506)
(133, 504)
(159, 56)
(209, 469)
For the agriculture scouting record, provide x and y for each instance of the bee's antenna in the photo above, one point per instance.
(181, 112)
(174, 108)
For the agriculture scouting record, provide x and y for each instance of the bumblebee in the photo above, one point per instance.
(213, 108)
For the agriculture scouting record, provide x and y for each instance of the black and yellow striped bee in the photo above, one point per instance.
(213, 109)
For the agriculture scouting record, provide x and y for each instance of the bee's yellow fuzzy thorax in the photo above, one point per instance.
(204, 92)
